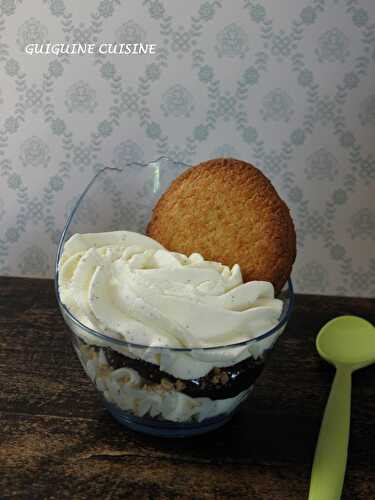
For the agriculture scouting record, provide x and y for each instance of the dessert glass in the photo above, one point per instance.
(136, 392)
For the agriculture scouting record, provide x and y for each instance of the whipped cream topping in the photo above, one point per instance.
(129, 287)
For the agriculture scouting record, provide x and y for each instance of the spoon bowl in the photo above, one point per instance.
(347, 340)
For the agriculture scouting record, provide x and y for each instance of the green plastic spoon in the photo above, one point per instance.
(348, 342)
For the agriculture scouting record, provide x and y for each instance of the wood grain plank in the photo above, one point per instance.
(57, 440)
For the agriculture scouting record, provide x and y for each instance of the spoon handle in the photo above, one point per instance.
(331, 452)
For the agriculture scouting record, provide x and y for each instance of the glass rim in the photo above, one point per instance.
(92, 182)
(124, 343)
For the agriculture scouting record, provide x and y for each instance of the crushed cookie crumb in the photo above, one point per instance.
(224, 378)
(92, 354)
(215, 379)
(180, 386)
(166, 384)
(104, 370)
(125, 379)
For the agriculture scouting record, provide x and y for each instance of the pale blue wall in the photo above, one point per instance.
(287, 85)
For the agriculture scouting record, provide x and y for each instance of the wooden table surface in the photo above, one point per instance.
(57, 441)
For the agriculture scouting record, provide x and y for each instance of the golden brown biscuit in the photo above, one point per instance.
(228, 211)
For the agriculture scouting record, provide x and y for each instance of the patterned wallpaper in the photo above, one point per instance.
(287, 85)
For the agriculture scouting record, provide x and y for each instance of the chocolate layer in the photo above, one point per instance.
(219, 383)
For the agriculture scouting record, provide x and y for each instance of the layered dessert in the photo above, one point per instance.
(175, 325)
(175, 312)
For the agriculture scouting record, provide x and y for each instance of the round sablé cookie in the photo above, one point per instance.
(228, 211)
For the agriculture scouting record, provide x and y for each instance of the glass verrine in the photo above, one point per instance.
(132, 379)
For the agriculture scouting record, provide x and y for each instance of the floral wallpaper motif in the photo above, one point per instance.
(288, 87)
